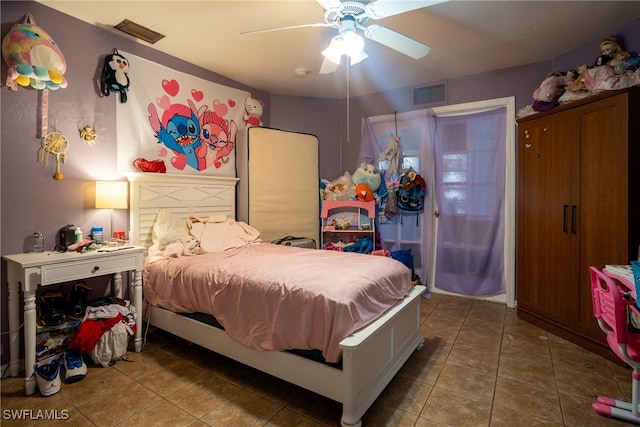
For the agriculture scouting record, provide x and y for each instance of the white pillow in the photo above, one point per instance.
(169, 228)
(215, 235)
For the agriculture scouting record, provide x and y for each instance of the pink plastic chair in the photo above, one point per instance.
(610, 306)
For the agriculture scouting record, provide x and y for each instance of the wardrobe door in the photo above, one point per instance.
(544, 220)
(602, 196)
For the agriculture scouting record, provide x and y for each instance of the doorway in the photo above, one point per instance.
(419, 232)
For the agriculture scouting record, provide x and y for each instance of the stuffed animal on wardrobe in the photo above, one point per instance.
(253, 111)
(115, 75)
(553, 86)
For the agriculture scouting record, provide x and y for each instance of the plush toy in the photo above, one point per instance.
(341, 188)
(342, 223)
(412, 179)
(145, 165)
(553, 86)
(367, 174)
(551, 89)
(364, 193)
(115, 75)
(33, 58)
(253, 111)
(392, 154)
(363, 245)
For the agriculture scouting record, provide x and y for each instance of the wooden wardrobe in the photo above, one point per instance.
(578, 205)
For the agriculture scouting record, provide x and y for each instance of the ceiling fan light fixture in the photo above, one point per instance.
(334, 51)
(354, 59)
(352, 43)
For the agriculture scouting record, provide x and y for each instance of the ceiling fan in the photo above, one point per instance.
(349, 16)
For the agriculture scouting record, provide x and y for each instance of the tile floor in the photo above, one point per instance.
(480, 366)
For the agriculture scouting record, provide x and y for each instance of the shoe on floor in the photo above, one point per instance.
(78, 298)
(48, 378)
(52, 308)
(75, 368)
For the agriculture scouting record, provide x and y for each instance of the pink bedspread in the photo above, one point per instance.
(273, 297)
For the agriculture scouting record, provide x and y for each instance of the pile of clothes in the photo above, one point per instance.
(105, 330)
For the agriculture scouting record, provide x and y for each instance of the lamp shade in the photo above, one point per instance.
(334, 51)
(112, 194)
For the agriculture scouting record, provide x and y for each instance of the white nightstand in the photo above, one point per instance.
(48, 268)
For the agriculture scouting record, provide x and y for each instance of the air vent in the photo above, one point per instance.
(430, 94)
(138, 31)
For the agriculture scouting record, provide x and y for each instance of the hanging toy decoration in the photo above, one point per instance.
(392, 154)
(115, 75)
(33, 58)
(88, 135)
(57, 144)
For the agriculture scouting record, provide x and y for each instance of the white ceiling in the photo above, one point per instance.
(466, 37)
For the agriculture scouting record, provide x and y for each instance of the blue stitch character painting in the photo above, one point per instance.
(179, 131)
(176, 123)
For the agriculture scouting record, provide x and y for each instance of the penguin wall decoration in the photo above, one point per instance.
(115, 75)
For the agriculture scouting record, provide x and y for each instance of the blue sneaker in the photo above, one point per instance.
(48, 378)
(75, 368)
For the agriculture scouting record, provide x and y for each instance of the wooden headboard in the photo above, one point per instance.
(182, 195)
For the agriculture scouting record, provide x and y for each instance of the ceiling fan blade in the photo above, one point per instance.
(335, 5)
(328, 66)
(397, 41)
(266, 30)
(382, 8)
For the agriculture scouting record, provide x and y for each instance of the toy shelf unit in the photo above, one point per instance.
(346, 221)
(52, 341)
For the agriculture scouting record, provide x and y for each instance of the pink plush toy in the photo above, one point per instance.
(553, 87)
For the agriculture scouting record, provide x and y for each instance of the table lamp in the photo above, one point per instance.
(112, 195)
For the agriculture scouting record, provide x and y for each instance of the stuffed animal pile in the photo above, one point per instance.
(363, 185)
(614, 68)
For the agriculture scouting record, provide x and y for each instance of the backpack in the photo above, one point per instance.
(411, 192)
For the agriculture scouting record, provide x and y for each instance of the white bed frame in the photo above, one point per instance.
(371, 357)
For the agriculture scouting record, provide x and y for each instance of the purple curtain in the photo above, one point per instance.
(369, 151)
(469, 188)
(405, 230)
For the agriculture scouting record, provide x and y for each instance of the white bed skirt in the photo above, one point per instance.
(371, 357)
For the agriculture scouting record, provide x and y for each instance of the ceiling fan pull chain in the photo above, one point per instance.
(395, 120)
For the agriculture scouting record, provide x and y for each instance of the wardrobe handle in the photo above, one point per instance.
(564, 218)
(573, 219)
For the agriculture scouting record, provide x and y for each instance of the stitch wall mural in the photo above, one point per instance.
(178, 123)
